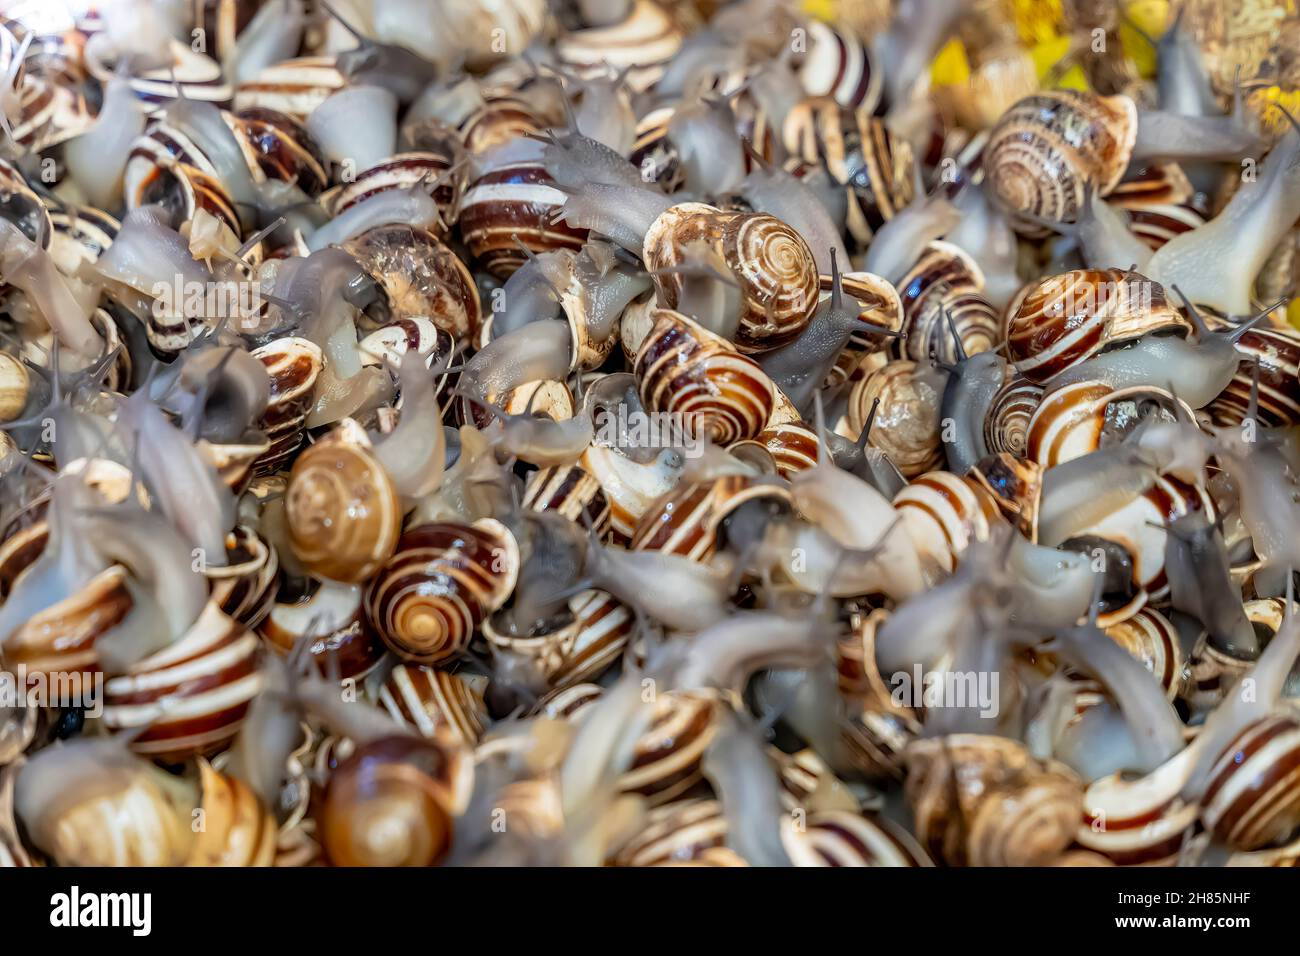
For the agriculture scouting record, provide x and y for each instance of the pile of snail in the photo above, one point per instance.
(512, 432)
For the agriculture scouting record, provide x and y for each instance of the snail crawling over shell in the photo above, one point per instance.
(643, 433)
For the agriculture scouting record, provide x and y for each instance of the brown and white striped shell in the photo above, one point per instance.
(292, 87)
(877, 168)
(666, 761)
(943, 513)
(641, 43)
(1051, 147)
(402, 171)
(62, 637)
(1142, 822)
(435, 701)
(1276, 351)
(793, 447)
(1160, 202)
(1006, 426)
(770, 261)
(689, 519)
(1066, 319)
(237, 830)
(168, 168)
(44, 111)
(198, 76)
(1074, 420)
(293, 364)
(683, 833)
(1251, 800)
(1212, 671)
(629, 486)
(570, 490)
(978, 800)
(907, 419)
(837, 64)
(685, 370)
(442, 581)
(591, 642)
(193, 694)
(343, 512)
(332, 618)
(245, 586)
(848, 838)
(877, 728)
(279, 149)
(878, 305)
(1015, 486)
(501, 117)
(945, 280)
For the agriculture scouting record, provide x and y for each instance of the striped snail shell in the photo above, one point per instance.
(629, 486)
(772, 263)
(1160, 202)
(433, 701)
(420, 276)
(943, 513)
(1052, 146)
(1142, 822)
(402, 171)
(666, 761)
(1074, 420)
(23, 207)
(945, 281)
(793, 447)
(1212, 672)
(234, 461)
(653, 153)
(1016, 487)
(1152, 638)
(879, 305)
(641, 43)
(685, 370)
(500, 118)
(907, 419)
(222, 21)
(877, 729)
(684, 833)
(690, 519)
(237, 829)
(848, 838)
(514, 198)
(837, 64)
(979, 800)
(44, 112)
(293, 87)
(1006, 426)
(293, 364)
(1066, 319)
(876, 167)
(332, 617)
(245, 587)
(168, 168)
(193, 694)
(81, 234)
(196, 75)
(279, 148)
(1276, 353)
(392, 802)
(1251, 801)
(15, 383)
(572, 491)
(488, 32)
(441, 582)
(583, 649)
(62, 637)
(343, 513)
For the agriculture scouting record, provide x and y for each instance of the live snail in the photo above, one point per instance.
(602, 432)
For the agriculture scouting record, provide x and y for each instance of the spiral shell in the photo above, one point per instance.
(984, 801)
(690, 518)
(237, 830)
(293, 365)
(1276, 351)
(342, 641)
(500, 118)
(196, 76)
(392, 801)
(839, 65)
(244, 588)
(443, 579)
(1142, 822)
(684, 833)
(771, 262)
(279, 149)
(14, 385)
(907, 420)
(583, 649)
(877, 728)
(61, 638)
(1213, 671)
(1006, 426)
(1073, 420)
(642, 44)
(402, 171)
(685, 370)
(945, 281)
(343, 512)
(291, 87)
(1015, 485)
(629, 486)
(433, 701)
(846, 838)
(1050, 147)
(168, 168)
(193, 694)
(1066, 319)
(1251, 800)
(878, 305)
(942, 514)
(44, 112)
(570, 490)
(666, 761)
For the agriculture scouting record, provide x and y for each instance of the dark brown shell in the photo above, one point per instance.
(342, 641)
(516, 199)
(570, 490)
(1251, 801)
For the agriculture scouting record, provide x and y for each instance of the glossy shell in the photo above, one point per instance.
(907, 421)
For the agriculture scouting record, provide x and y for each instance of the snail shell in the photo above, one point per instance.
(293, 365)
(279, 148)
(877, 729)
(193, 694)
(1212, 671)
(689, 519)
(666, 761)
(1066, 319)
(629, 486)
(1277, 352)
(62, 638)
(1251, 801)
(14, 386)
(420, 277)
(292, 87)
(391, 803)
(514, 199)
(1071, 421)
(641, 43)
(984, 801)
(1153, 639)
(943, 513)
(234, 461)
(769, 260)
(907, 420)
(402, 171)
(341, 638)
(1048, 148)
(684, 833)
(442, 581)
(581, 650)
(433, 702)
(686, 371)
(847, 838)
(1016, 487)
(1160, 202)
(839, 65)
(1006, 426)
(166, 167)
(245, 587)
(500, 118)
(654, 154)
(344, 514)
(1141, 822)
(946, 278)
(793, 447)
(237, 829)
(572, 491)
(876, 167)
(44, 112)
(879, 305)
